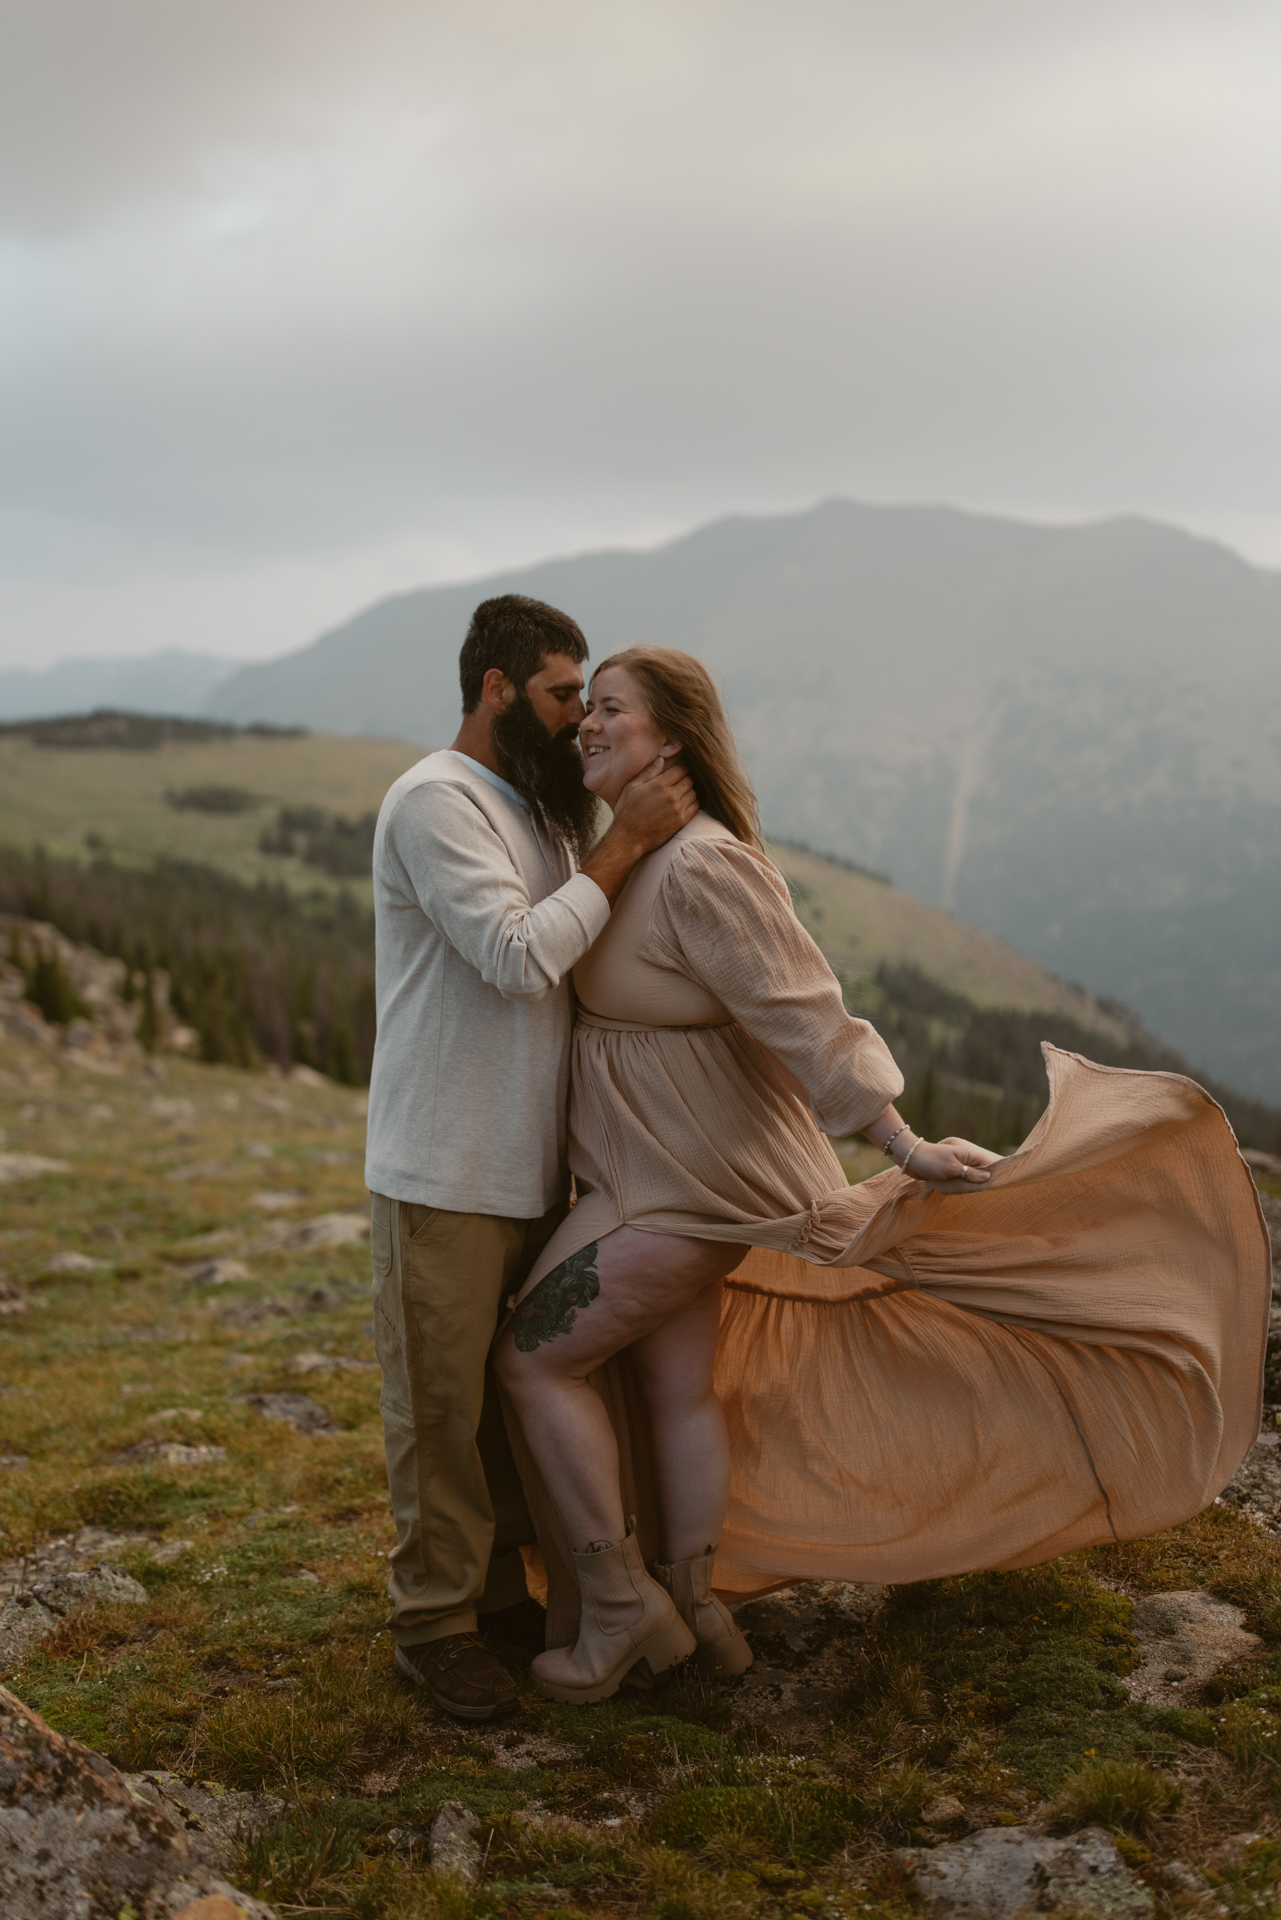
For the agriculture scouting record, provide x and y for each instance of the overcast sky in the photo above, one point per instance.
(305, 301)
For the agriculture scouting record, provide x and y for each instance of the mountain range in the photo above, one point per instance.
(1068, 736)
(171, 681)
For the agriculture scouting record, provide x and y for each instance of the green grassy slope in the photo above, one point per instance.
(73, 801)
(57, 797)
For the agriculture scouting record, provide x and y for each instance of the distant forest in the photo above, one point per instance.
(262, 974)
(979, 1072)
(259, 973)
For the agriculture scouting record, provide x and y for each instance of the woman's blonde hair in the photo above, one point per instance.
(682, 698)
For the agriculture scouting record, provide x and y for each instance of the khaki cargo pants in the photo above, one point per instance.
(440, 1280)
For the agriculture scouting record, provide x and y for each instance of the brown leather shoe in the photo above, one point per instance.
(524, 1625)
(461, 1675)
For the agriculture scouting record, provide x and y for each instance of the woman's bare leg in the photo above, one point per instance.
(691, 1444)
(612, 1295)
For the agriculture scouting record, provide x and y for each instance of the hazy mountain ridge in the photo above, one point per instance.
(1071, 736)
(171, 681)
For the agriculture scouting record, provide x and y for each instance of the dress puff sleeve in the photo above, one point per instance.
(724, 918)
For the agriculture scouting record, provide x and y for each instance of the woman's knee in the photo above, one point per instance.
(512, 1376)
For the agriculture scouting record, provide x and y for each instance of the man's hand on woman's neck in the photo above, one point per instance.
(654, 805)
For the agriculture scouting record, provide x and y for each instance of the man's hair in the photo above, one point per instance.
(515, 635)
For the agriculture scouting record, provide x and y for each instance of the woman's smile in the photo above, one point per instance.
(618, 735)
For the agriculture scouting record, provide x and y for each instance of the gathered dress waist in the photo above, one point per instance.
(586, 1018)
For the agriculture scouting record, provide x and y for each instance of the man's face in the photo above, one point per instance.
(555, 692)
(535, 737)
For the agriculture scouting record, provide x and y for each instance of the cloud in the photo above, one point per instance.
(301, 285)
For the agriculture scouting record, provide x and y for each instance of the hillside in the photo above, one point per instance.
(77, 802)
(1067, 736)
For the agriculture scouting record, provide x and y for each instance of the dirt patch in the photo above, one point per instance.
(1184, 1638)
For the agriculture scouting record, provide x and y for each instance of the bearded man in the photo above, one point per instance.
(481, 910)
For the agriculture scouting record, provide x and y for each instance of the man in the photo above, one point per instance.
(481, 911)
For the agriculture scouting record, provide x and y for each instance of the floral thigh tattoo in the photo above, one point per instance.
(554, 1303)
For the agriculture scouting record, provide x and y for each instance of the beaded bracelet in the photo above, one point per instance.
(905, 1128)
(908, 1155)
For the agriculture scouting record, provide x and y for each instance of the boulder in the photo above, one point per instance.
(1004, 1871)
(78, 1843)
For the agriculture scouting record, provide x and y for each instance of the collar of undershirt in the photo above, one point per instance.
(495, 780)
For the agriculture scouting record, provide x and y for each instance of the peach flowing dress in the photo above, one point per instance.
(915, 1384)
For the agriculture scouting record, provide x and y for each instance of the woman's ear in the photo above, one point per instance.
(669, 751)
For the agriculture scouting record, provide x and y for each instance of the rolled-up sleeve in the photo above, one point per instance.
(725, 919)
(450, 859)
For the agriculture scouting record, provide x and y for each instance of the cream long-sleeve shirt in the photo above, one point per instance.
(479, 917)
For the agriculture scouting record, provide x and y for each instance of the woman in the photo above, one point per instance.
(983, 1363)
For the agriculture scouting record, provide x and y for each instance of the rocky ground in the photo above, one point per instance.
(195, 1528)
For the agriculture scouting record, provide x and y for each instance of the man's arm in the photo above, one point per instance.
(653, 806)
(458, 868)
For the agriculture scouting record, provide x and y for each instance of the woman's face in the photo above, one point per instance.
(618, 735)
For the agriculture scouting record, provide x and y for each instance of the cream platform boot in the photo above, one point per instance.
(721, 1651)
(626, 1618)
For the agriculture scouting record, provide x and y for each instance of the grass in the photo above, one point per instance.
(75, 801)
(1115, 1793)
(259, 1661)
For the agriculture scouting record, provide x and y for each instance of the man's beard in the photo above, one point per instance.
(547, 770)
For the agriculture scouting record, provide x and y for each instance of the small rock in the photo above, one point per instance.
(164, 1109)
(1234, 1852)
(300, 1412)
(74, 1263)
(1004, 1871)
(1189, 1635)
(329, 1230)
(453, 1846)
(308, 1077)
(13, 1462)
(214, 1273)
(13, 1301)
(411, 1841)
(281, 1198)
(330, 1363)
(28, 1166)
(171, 1452)
(1180, 1878)
(303, 1575)
(309, 1236)
(171, 1550)
(30, 1614)
(942, 1811)
(252, 1313)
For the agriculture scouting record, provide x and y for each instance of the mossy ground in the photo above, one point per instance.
(260, 1659)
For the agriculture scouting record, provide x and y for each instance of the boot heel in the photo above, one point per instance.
(724, 1660)
(668, 1647)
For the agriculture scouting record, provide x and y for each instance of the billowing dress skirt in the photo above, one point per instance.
(915, 1384)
